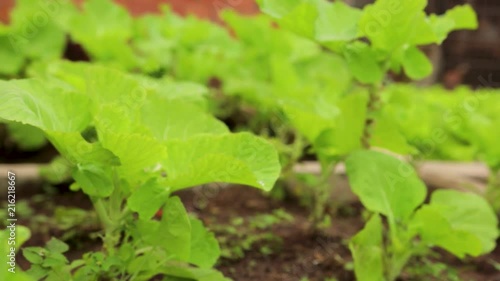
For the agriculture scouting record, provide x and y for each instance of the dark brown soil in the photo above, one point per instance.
(300, 253)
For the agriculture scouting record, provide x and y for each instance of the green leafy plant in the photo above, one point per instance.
(461, 223)
(370, 43)
(130, 146)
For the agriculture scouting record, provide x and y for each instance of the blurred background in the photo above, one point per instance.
(467, 57)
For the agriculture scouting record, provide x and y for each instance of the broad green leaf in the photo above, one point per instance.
(94, 180)
(189, 92)
(386, 135)
(435, 230)
(416, 64)
(204, 246)
(234, 158)
(35, 33)
(175, 230)
(138, 154)
(176, 119)
(469, 213)
(390, 24)
(77, 150)
(385, 184)
(346, 134)
(185, 272)
(367, 251)
(42, 106)
(363, 64)
(104, 28)
(310, 122)
(336, 21)
(148, 199)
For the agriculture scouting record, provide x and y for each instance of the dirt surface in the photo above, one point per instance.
(298, 254)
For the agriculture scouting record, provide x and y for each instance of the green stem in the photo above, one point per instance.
(322, 194)
(109, 226)
(493, 189)
(372, 107)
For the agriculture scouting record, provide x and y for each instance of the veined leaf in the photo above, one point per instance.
(345, 136)
(77, 150)
(336, 21)
(175, 229)
(367, 251)
(234, 158)
(50, 109)
(390, 24)
(435, 230)
(385, 184)
(95, 180)
(204, 246)
(139, 155)
(467, 215)
(177, 119)
(148, 198)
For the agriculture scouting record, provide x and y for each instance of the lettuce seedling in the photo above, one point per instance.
(130, 146)
(461, 223)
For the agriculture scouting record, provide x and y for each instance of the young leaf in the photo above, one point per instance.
(337, 21)
(348, 127)
(389, 24)
(416, 64)
(94, 180)
(57, 246)
(148, 199)
(367, 251)
(177, 119)
(174, 233)
(233, 158)
(466, 214)
(435, 230)
(77, 150)
(463, 16)
(385, 184)
(204, 246)
(362, 62)
(301, 19)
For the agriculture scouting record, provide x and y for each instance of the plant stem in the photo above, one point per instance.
(372, 108)
(108, 225)
(322, 194)
(493, 189)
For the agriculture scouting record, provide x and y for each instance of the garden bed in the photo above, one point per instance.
(296, 252)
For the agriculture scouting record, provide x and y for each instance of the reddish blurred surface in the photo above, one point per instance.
(207, 9)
